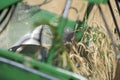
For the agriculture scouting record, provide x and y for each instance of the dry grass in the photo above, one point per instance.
(93, 57)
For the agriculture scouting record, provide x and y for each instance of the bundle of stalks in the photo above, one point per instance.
(93, 56)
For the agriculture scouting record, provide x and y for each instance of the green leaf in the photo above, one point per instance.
(98, 1)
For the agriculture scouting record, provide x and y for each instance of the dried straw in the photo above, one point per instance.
(93, 58)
